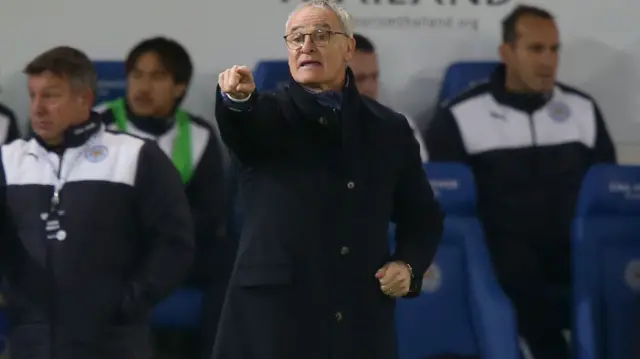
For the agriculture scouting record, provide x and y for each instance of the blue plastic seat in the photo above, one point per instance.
(462, 309)
(181, 311)
(269, 75)
(461, 76)
(112, 80)
(606, 263)
(5, 329)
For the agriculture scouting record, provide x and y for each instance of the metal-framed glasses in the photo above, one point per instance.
(319, 38)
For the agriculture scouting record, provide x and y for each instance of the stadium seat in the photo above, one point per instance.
(271, 74)
(181, 311)
(112, 80)
(5, 329)
(462, 309)
(606, 262)
(462, 75)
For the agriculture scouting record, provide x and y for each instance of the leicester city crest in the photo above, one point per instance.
(558, 111)
(96, 153)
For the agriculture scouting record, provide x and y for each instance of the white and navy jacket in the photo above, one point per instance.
(88, 269)
(529, 153)
(206, 190)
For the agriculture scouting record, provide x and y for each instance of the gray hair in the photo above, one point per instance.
(344, 17)
(67, 62)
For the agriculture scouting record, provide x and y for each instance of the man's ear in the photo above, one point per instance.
(86, 98)
(505, 50)
(351, 48)
(179, 90)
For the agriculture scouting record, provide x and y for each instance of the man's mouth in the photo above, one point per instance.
(310, 64)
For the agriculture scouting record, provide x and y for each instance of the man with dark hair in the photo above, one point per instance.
(529, 141)
(510, 23)
(159, 71)
(364, 65)
(95, 226)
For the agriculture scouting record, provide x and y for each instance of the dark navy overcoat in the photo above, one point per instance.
(320, 185)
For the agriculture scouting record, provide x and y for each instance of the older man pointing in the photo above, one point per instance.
(323, 171)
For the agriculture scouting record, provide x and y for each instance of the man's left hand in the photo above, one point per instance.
(394, 278)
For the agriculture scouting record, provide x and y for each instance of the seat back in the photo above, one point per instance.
(606, 262)
(182, 310)
(461, 309)
(112, 80)
(460, 76)
(5, 329)
(269, 75)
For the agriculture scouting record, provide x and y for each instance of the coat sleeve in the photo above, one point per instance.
(603, 151)
(105, 113)
(6, 252)
(166, 230)
(416, 213)
(443, 139)
(253, 129)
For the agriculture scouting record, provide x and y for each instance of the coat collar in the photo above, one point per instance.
(156, 126)
(316, 105)
(342, 126)
(526, 102)
(74, 136)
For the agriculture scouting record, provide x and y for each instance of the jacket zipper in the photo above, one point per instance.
(51, 272)
(532, 128)
(534, 143)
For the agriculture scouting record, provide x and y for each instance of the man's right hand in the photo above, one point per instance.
(237, 82)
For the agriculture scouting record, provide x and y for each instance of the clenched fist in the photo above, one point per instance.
(237, 82)
(395, 278)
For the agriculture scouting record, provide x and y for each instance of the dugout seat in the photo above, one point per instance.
(270, 75)
(461, 76)
(462, 309)
(606, 262)
(112, 80)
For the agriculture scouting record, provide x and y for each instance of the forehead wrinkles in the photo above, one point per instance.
(313, 18)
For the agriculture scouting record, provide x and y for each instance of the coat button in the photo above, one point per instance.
(323, 121)
(344, 251)
(338, 316)
(351, 185)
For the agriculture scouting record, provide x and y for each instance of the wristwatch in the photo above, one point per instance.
(414, 285)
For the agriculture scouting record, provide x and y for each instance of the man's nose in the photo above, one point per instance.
(36, 105)
(144, 85)
(548, 58)
(308, 46)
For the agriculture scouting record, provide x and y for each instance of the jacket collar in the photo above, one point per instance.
(527, 102)
(74, 136)
(156, 126)
(315, 105)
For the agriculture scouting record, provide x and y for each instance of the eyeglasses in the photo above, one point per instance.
(320, 38)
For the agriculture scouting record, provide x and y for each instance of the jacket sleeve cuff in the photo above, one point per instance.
(236, 104)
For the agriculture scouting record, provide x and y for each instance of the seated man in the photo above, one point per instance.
(159, 71)
(364, 65)
(529, 141)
